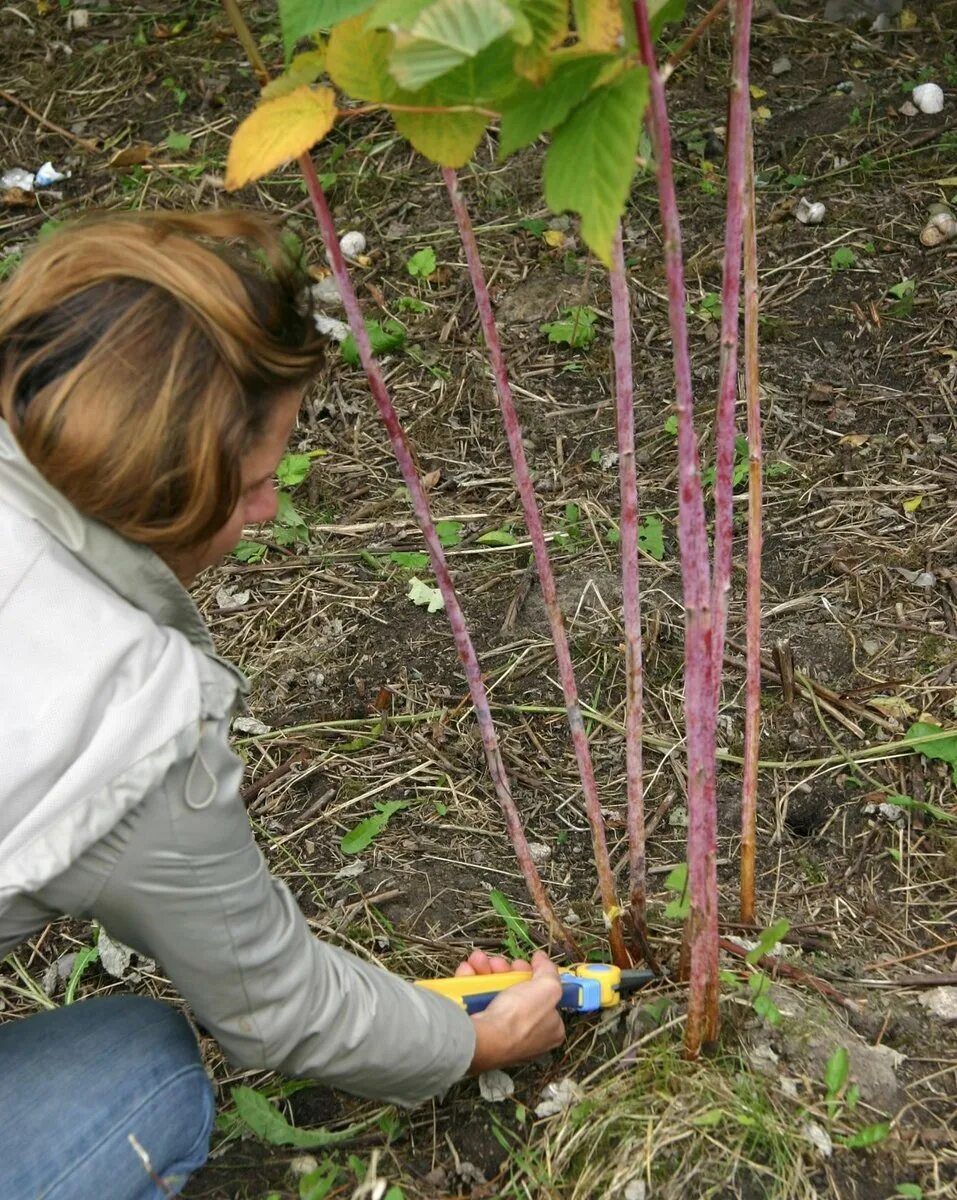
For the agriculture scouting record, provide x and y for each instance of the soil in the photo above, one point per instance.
(859, 583)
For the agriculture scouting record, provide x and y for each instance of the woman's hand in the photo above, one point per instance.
(523, 1021)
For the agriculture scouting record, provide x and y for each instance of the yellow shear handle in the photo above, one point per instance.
(461, 988)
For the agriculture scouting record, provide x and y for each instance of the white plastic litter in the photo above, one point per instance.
(809, 212)
(16, 177)
(48, 175)
(326, 292)
(77, 19)
(889, 812)
(337, 330)
(929, 97)
(558, 1096)
(250, 726)
(352, 243)
(27, 181)
(819, 1138)
(496, 1086)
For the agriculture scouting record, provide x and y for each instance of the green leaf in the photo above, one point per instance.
(944, 748)
(498, 537)
(842, 258)
(256, 1112)
(422, 264)
(912, 1190)
(411, 560)
(412, 304)
(671, 425)
(870, 1135)
(293, 469)
(533, 109)
(651, 536)
(836, 1072)
(534, 225)
(250, 552)
(390, 335)
(509, 915)
(449, 533)
(591, 161)
(357, 60)
(912, 805)
(179, 143)
(427, 597)
(548, 26)
(677, 881)
(300, 18)
(286, 513)
(767, 941)
(713, 1116)
(356, 840)
(319, 1183)
(89, 954)
(444, 35)
(902, 289)
(576, 329)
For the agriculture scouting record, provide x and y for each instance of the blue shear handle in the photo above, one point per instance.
(578, 995)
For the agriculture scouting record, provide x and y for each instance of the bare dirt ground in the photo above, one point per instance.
(358, 692)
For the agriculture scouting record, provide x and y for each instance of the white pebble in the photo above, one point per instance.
(352, 243)
(810, 212)
(928, 97)
(908, 109)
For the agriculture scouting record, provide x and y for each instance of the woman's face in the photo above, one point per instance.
(257, 501)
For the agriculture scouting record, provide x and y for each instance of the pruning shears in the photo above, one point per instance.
(586, 987)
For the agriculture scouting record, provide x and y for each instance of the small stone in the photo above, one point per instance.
(572, 917)
(942, 1002)
(942, 227)
(303, 1164)
(781, 65)
(539, 852)
(929, 97)
(353, 243)
(908, 109)
(229, 601)
(77, 19)
(635, 1190)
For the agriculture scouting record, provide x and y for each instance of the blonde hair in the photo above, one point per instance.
(139, 359)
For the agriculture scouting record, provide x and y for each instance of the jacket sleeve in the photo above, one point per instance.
(182, 880)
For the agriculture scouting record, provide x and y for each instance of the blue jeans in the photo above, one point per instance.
(77, 1082)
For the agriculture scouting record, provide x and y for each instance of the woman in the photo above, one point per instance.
(150, 378)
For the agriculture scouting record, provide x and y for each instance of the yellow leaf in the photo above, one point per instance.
(278, 130)
(913, 504)
(757, 93)
(358, 60)
(599, 22)
(447, 138)
(763, 113)
(854, 439)
(553, 237)
(908, 18)
(892, 706)
(304, 68)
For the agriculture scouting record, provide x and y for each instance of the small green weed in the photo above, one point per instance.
(422, 264)
(576, 329)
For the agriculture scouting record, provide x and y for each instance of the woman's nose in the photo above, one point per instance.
(262, 505)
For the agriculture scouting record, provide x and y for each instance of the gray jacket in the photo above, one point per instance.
(119, 800)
